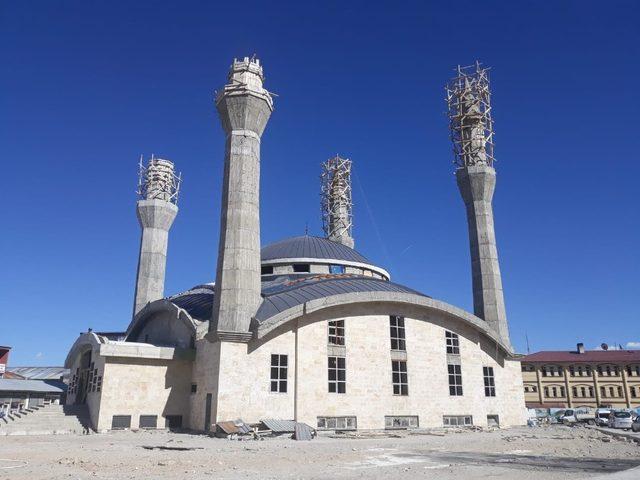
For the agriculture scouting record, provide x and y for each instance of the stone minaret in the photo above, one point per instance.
(244, 107)
(471, 127)
(158, 190)
(336, 204)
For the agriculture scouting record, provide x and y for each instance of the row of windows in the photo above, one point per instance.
(397, 334)
(337, 376)
(122, 422)
(304, 268)
(399, 421)
(584, 370)
(585, 391)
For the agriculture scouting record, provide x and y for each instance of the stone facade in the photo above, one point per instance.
(243, 391)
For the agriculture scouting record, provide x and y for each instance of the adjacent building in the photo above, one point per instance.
(591, 378)
(306, 328)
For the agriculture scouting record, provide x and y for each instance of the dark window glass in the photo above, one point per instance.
(396, 327)
(301, 267)
(267, 270)
(336, 332)
(452, 342)
(399, 377)
(337, 374)
(279, 373)
(489, 382)
(455, 380)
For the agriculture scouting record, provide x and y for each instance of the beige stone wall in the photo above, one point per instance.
(141, 386)
(244, 375)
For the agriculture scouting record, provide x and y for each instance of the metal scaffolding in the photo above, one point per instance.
(157, 180)
(470, 122)
(335, 198)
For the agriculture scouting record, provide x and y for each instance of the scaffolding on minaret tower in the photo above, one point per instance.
(157, 180)
(335, 200)
(470, 122)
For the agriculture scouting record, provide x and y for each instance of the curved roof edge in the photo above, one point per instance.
(337, 261)
(162, 305)
(411, 299)
(308, 246)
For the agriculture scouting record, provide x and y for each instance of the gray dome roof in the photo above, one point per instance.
(310, 247)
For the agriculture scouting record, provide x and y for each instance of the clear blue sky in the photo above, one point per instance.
(86, 87)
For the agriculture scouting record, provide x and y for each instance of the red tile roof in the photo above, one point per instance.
(590, 356)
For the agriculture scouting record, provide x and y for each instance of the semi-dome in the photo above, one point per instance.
(307, 246)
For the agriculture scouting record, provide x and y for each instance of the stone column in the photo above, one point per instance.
(244, 107)
(477, 184)
(156, 212)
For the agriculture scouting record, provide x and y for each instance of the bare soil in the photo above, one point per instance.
(541, 453)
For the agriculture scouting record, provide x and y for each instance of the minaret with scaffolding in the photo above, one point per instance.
(244, 107)
(471, 126)
(335, 199)
(157, 207)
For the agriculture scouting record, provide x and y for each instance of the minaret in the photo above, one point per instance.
(244, 107)
(157, 208)
(335, 199)
(469, 101)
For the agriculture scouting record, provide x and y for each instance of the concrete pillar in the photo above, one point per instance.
(244, 107)
(477, 184)
(156, 213)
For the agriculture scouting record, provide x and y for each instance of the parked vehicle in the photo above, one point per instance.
(635, 426)
(556, 417)
(620, 419)
(579, 415)
(602, 416)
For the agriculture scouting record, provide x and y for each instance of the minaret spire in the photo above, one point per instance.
(158, 188)
(471, 125)
(335, 198)
(244, 107)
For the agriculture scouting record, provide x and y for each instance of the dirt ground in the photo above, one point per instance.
(541, 453)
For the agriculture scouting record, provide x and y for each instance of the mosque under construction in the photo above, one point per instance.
(307, 328)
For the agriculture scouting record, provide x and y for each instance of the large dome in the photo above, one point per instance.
(311, 247)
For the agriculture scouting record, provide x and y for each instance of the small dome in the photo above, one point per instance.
(311, 247)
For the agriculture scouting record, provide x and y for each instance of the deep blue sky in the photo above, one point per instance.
(86, 87)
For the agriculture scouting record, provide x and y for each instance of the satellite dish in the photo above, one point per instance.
(604, 346)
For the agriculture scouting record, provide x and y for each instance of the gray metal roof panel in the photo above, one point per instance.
(41, 386)
(40, 373)
(307, 246)
(286, 291)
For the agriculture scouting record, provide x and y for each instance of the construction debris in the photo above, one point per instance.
(278, 427)
(303, 431)
(232, 429)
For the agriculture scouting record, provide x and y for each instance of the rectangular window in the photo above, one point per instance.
(402, 422)
(266, 270)
(632, 390)
(603, 392)
(194, 388)
(337, 423)
(301, 268)
(546, 392)
(400, 379)
(591, 392)
(457, 420)
(336, 269)
(120, 422)
(453, 342)
(148, 421)
(572, 371)
(455, 380)
(336, 332)
(279, 373)
(397, 333)
(337, 375)
(489, 382)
